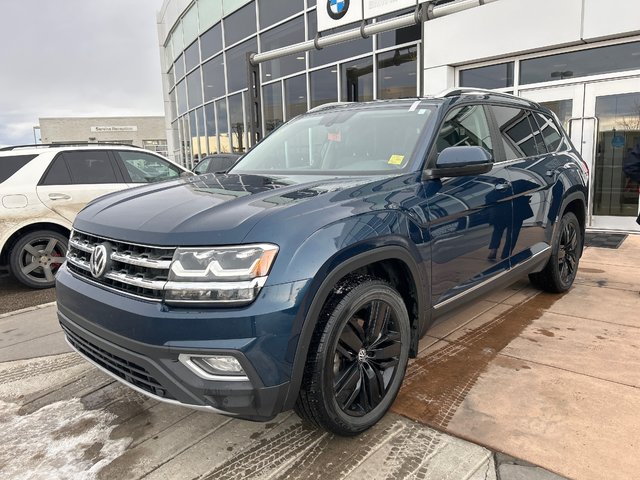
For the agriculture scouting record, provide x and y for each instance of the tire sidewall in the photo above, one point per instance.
(358, 297)
(567, 218)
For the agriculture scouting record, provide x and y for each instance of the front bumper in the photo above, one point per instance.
(139, 344)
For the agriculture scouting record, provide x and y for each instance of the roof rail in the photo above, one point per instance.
(69, 144)
(454, 92)
(327, 106)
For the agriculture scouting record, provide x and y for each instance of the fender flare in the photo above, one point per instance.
(391, 252)
(570, 197)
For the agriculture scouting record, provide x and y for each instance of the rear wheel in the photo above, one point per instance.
(36, 257)
(560, 272)
(357, 358)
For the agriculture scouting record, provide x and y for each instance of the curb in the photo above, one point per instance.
(28, 309)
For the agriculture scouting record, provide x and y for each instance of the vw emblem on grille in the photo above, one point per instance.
(337, 8)
(100, 260)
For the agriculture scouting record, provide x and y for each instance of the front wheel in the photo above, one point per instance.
(357, 358)
(560, 272)
(36, 257)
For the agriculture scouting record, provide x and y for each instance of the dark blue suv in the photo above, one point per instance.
(305, 276)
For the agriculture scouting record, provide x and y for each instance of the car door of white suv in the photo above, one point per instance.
(76, 177)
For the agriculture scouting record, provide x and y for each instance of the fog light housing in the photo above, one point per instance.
(215, 367)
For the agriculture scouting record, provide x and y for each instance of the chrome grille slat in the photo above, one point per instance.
(138, 270)
(80, 246)
(140, 261)
(135, 281)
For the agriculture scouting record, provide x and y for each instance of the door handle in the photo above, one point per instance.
(503, 186)
(59, 196)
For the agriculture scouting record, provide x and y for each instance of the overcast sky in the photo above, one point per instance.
(76, 58)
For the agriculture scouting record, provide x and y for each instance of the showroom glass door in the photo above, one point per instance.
(603, 120)
(615, 148)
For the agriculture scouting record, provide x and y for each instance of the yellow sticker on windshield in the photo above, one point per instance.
(396, 160)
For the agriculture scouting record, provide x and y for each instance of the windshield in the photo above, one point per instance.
(346, 142)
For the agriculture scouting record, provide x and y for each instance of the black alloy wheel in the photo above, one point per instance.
(561, 269)
(366, 358)
(357, 357)
(568, 253)
(36, 257)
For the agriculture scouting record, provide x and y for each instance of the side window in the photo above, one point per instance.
(146, 168)
(202, 166)
(516, 127)
(465, 127)
(10, 165)
(58, 173)
(551, 133)
(90, 167)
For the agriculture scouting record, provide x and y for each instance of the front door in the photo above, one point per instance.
(471, 216)
(603, 120)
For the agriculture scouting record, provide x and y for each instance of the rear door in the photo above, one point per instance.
(470, 216)
(75, 178)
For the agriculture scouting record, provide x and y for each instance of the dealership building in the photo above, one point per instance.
(144, 132)
(233, 70)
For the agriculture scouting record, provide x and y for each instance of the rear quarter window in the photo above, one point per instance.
(10, 165)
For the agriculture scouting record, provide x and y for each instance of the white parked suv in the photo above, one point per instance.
(43, 187)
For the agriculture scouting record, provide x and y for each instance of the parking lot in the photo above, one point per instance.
(550, 380)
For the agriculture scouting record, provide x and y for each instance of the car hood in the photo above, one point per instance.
(203, 210)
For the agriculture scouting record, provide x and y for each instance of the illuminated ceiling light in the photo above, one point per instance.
(301, 96)
(267, 74)
(299, 58)
(388, 77)
(334, 71)
(411, 73)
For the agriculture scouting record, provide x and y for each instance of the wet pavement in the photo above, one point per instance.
(15, 296)
(553, 380)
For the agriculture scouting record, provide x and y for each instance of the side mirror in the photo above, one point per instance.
(460, 162)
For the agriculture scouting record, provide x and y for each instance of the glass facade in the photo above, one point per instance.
(206, 64)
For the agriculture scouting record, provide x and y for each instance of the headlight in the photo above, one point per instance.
(226, 275)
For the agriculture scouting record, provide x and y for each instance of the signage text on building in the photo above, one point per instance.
(114, 128)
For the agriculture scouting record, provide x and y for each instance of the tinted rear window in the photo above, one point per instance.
(10, 165)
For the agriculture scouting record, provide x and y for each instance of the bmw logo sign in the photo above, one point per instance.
(337, 8)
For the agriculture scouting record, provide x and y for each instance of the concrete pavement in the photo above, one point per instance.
(552, 380)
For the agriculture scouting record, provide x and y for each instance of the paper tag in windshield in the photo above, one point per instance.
(334, 137)
(396, 160)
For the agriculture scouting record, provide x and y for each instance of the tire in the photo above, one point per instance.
(355, 365)
(560, 272)
(35, 258)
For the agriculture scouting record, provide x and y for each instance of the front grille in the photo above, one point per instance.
(135, 269)
(124, 369)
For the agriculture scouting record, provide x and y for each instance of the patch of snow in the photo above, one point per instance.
(61, 440)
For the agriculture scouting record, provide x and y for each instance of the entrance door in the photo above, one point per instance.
(615, 147)
(603, 120)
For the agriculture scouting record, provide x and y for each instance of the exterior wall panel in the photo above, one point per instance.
(610, 19)
(501, 28)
